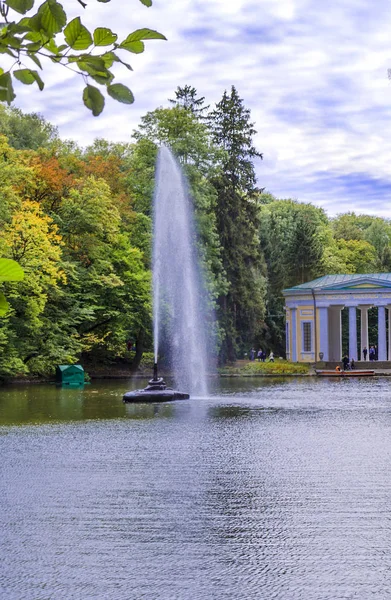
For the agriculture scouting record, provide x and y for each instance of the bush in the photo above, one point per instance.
(280, 367)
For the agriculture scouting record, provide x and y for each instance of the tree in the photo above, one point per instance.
(359, 256)
(190, 141)
(48, 34)
(378, 234)
(31, 238)
(293, 237)
(26, 130)
(187, 98)
(241, 309)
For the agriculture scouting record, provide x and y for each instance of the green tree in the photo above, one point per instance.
(26, 130)
(49, 34)
(190, 141)
(359, 256)
(241, 309)
(293, 238)
(187, 97)
(378, 234)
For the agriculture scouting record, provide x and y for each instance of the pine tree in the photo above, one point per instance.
(187, 98)
(242, 308)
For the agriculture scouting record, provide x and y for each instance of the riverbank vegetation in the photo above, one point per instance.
(279, 367)
(78, 221)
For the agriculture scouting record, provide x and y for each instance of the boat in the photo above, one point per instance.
(352, 373)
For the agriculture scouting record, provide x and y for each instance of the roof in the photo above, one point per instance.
(357, 280)
(65, 367)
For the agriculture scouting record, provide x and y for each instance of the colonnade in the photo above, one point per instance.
(330, 332)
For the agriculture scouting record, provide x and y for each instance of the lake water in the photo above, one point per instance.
(268, 489)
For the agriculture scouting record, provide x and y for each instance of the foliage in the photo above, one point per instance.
(190, 141)
(49, 34)
(241, 308)
(358, 256)
(79, 224)
(26, 130)
(187, 98)
(280, 367)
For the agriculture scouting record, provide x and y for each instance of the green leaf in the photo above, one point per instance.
(135, 47)
(21, 6)
(133, 42)
(100, 74)
(93, 99)
(5, 50)
(35, 23)
(6, 95)
(34, 36)
(10, 270)
(121, 93)
(4, 306)
(51, 16)
(145, 34)
(110, 57)
(94, 61)
(77, 36)
(28, 77)
(11, 41)
(35, 59)
(146, 2)
(33, 47)
(104, 36)
(52, 47)
(38, 79)
(21, 27)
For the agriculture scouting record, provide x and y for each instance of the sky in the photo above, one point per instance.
(313, 74)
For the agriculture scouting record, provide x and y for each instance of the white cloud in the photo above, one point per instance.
(316, 84)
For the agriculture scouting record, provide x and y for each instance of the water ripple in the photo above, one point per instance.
(277, 491)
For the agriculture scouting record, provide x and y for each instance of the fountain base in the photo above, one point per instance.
(156, 391)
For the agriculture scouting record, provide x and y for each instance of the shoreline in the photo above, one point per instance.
(146, 377)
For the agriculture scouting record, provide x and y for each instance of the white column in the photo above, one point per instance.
(389, 331)
(364, 332)
(293, 312)
(323, 332)
(352, 333)
(381, 334)
(335, 330)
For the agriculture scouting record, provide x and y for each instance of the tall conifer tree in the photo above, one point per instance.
(242, 308)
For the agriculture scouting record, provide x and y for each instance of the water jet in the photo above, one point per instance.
(180, 299)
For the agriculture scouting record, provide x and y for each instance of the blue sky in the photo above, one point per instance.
(313, 74)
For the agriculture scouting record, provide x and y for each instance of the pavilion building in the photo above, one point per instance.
(314, 323)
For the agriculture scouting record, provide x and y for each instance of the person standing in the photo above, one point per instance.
(345, 362)
(271, 356)
(259, 355)
(365, 352)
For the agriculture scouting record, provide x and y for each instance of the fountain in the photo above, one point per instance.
(180, 303)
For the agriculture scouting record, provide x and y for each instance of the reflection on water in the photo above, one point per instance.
(268, 489)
